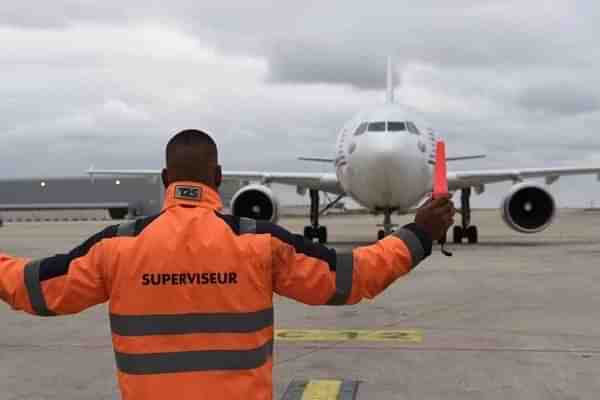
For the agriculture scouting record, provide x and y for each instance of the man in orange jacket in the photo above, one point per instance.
(190, 290)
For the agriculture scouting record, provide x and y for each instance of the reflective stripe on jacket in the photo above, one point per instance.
(191, 292)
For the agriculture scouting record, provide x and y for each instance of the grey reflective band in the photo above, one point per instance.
(126, 229)
(247, 225)
(181, 324)
(34, 289)
(189, 361)
(413, 243)
(343, 279)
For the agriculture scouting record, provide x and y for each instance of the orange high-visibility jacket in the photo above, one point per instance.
(191, 292)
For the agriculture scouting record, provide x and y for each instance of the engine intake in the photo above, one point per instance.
(256, 202)
(528, 208)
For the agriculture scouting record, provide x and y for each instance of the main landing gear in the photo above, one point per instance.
(387, 225)
(314, 230)
(467, 230)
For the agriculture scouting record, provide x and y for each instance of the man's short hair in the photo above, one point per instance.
(192, 138)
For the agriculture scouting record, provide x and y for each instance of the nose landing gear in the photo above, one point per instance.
(314, 230)
(388, 226)
(466, 230)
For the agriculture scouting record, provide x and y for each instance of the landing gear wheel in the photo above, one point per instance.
(117, 213)
(472, 234)
(457, 234)
(380, 234)
(322, 234)
(467, 230)
(308, 232)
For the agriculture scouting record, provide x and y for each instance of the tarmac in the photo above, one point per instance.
(514, 317)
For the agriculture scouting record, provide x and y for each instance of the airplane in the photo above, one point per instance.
(384, 161)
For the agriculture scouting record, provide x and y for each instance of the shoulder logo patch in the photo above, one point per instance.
(193, 193)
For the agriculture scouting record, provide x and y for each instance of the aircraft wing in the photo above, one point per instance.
(62, 206)
(326, 182)
(465, 179)
(150, 173)
(332, 160)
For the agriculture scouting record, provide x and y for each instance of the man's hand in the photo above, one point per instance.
(436, 217)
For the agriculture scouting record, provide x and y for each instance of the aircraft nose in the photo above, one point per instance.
(386, 149)
(385, 170)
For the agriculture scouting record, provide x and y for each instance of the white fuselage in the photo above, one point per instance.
(384, 166)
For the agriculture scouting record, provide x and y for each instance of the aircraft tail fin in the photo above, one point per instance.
(390, 81)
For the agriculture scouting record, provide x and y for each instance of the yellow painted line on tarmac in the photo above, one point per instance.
(322, 390)
(347, 335)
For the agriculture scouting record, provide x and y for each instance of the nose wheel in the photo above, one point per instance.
(470, 233)
(314, 230)
(319, 233)
(466, 230)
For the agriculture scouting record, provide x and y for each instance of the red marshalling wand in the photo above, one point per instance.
(440, 181)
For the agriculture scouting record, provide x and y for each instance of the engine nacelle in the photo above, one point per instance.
(528, 208)
(256, 202)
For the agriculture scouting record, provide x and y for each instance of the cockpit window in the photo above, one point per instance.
(412, 128)
(361, 129)
(377, 127)
(396, 126)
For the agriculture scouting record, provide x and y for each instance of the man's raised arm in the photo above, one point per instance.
(61, 284)
(315, 274)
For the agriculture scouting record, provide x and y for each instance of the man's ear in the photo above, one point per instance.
(165, 178)
(218, 176)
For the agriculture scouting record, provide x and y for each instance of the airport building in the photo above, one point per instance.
(120, 197)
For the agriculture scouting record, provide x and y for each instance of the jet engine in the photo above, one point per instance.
(528, 208)
(256, 202)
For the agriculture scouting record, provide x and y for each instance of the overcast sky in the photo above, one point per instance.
(107, 83)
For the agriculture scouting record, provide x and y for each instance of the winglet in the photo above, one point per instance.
(440, 179)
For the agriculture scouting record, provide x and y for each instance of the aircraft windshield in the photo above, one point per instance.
(396, 126)
(377, 127)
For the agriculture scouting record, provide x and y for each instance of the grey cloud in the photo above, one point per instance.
(343, 42)
(300, 62)
(27, 15)
(506, 39)
(560, 98)
(363, 66)
(61, 13)
(486, 79)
